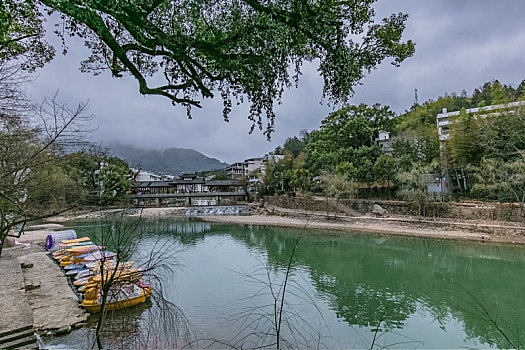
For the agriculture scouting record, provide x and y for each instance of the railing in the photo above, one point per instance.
(222, 210)
(189, 194)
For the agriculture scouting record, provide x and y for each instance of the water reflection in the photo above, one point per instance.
(370, 277)
(412, 288)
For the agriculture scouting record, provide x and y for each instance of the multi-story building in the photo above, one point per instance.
(235, 170)
(252, 167)
(444, 120)
(253, 164)
(384, 141)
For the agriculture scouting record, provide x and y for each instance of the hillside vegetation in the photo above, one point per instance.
(484, 158)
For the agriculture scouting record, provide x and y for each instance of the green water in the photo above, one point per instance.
(344, 290)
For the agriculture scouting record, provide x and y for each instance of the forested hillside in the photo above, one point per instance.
(485, 157)
(174, 161)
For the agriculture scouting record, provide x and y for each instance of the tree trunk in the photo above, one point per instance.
(101, 318)
(3, 235)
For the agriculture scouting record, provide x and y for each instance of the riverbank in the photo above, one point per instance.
(35, 294)
(468, 230)
(439, 228)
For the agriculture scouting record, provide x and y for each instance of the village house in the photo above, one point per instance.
(144, 175)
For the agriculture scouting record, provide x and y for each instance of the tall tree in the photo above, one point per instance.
(336, 186)
(348, 135)
(240, 49)
(114, 179)
(32, 184)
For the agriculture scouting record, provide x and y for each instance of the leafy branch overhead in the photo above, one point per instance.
(242, 49)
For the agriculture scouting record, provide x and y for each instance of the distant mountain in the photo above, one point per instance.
(173, 161)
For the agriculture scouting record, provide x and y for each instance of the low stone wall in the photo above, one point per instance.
(464, 211)
(299, 203)
(453, 210)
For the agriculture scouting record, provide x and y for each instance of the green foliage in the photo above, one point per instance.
(32, 184)
(242, 49)
(294, 145)
(52, 187)
(348, 136)
(385, 169)
(345, 144)
(416, 146)
(287, 174)
(482, 148)
(463, 145)
(347, 169)
(22, 34)
(336, 186)
(219, 175)
(81, 167)
(103, 181)
(422, 118)
(412, 186)
(115, 180)
(501, 180)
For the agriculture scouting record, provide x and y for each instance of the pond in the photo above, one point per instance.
(344, 290)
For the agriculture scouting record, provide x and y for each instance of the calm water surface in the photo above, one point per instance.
(344, 291)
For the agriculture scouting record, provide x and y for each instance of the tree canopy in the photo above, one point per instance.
(22, 35)
(348, 135)
(242, 50)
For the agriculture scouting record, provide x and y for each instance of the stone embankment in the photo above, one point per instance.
(34, 293)
(440, 228)
(484, 211)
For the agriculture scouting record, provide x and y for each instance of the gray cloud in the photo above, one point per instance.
(460, 45)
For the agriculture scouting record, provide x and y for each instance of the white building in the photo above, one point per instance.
(444, 120)
(235, 170)
(144, 176)
(252, 164)
(384, 141)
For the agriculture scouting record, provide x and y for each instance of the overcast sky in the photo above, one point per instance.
(460, 44)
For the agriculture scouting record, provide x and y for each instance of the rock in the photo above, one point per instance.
(377, 210)
(62, 330)
(26, 266)
(79, 325)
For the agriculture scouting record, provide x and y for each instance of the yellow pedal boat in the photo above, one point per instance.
(121, 295)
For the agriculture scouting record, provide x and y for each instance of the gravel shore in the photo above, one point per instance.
(407, 226)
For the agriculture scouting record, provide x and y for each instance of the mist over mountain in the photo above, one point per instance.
(174, 161)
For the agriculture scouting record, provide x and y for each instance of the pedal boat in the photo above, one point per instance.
(124, 293)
